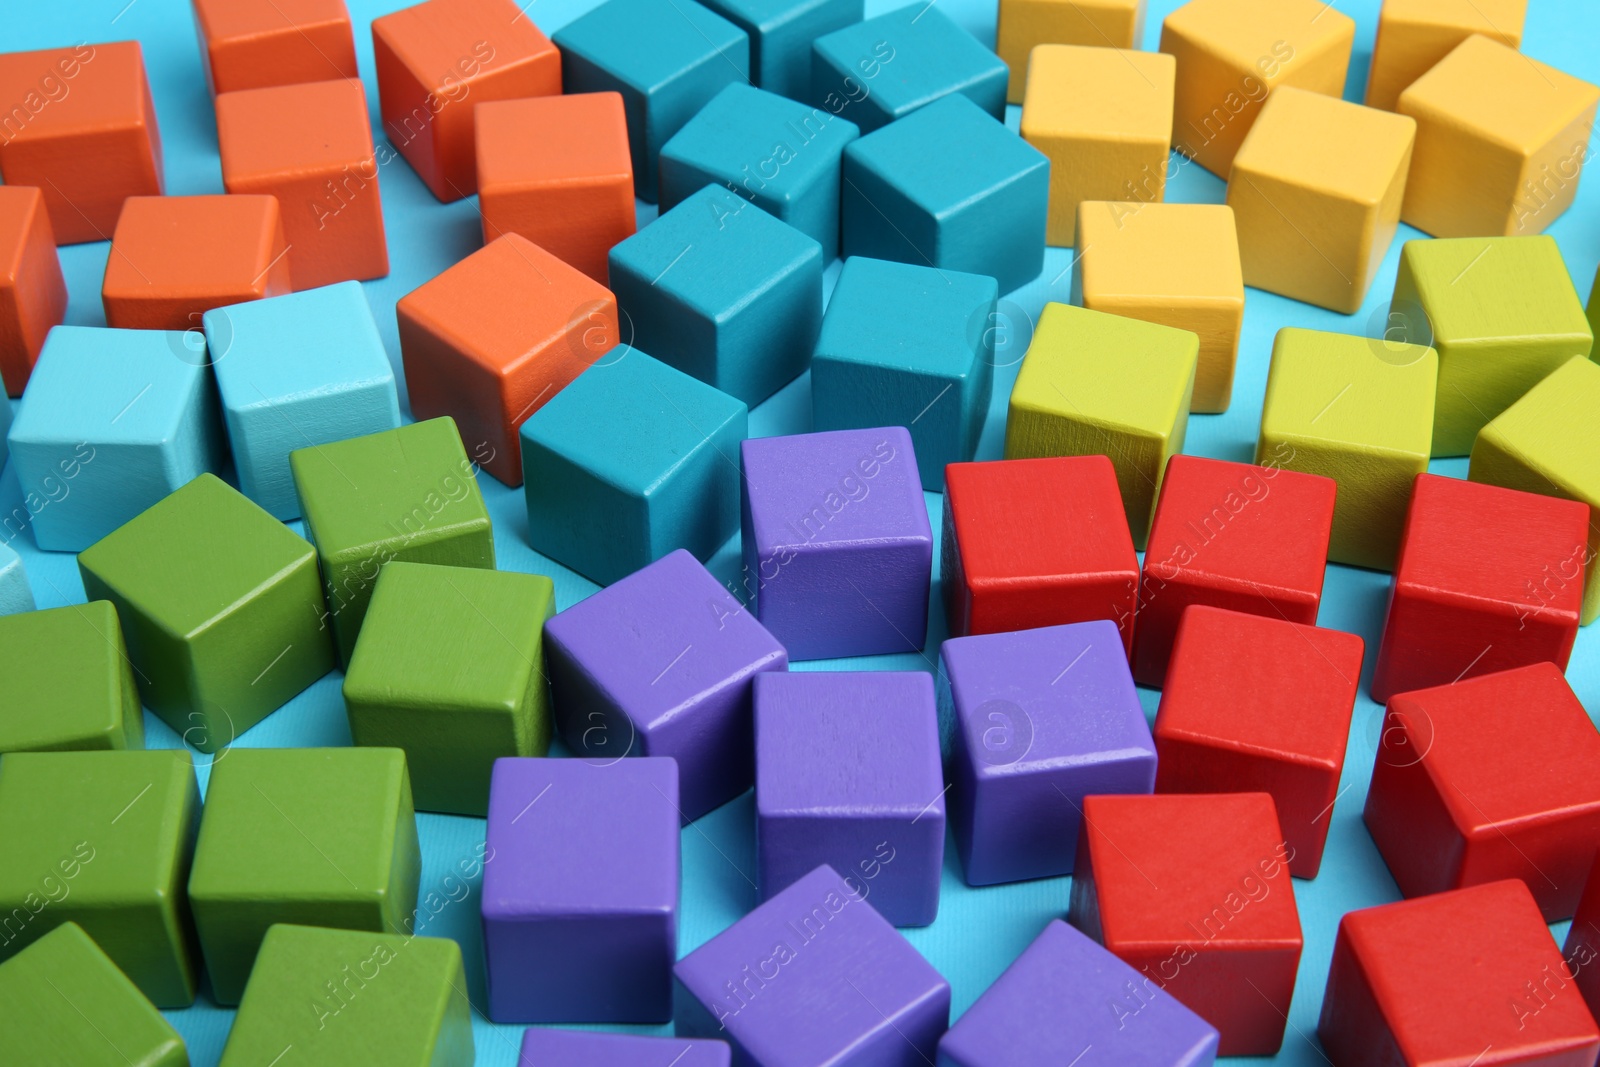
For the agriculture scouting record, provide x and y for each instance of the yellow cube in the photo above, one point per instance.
(1501, 141)
(1172, 264)
(1103, 116)
(1316, 189)
(1096, 23)
(1232, 53)
(1413, 35)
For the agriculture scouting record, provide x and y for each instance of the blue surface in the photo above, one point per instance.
(978, 932)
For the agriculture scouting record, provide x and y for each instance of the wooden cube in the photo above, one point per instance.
(255, 44)
(33, 293)
(69, 673)
(1026, 23)
(781, 34)
(1413, 35)
(1583, 939)
(16, 595)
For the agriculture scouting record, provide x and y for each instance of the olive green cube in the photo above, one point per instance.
(68, 681)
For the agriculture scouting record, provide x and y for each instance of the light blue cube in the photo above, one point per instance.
(666, 57)
(298, 371)
(15, 594)
(111, 422)
(908, 346)
(781, 32)
(722, 291)
(910, 196)
(887, 67)
(631, 461)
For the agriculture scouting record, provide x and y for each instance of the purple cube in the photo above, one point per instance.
(1043, 718)
(659, 664)
(1065, 995)
(847, 774)
(815, 977)
(580, 890)
(838, 551)
(581, 1048)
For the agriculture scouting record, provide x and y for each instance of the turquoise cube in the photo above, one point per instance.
(782, 156)
(666, 57)
(781, 32)
(298, 371)
(112, 421)
(15, 593)
(910, 196)
(908, 346)
(631, 461)
(722, 291)
(883, 69)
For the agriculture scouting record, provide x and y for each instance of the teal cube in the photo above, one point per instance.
(781, 32)
(632, 460)
(908, 346)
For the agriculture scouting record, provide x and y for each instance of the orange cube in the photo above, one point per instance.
(33, 294)
(436, 62)
(174, 258)
(309, 145)
(80, 126)
(556, 170)
(254, 44)
(493, 338)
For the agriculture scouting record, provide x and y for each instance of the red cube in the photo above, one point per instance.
(1036, 542)
(1495, 777)
(1253, 703)
(1582, 950)
(254, 44)
(1193, 891)
(1232, 535)
(1471, 592)
(33, 294)
(1464, 978)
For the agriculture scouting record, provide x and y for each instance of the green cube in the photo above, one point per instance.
(332, 998)
(1549, 442)
(321, 836)
(221, 606)
(102, 839)
(406, 494)
(1358, 410)
(450, 668)
(65, 1002)
(69, 682)
(1501, 312)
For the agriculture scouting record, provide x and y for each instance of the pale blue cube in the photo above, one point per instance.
(15, 594)
(781, 32)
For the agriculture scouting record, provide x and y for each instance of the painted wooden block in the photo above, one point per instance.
(1144, 1026)
(981, 211)
(1023, 24)
(450, 668)
(297, 371)
(1359, 411)
(256, 44)
(436, 62)
(556, 170)
(33, 293)
(114, 420)
(1501, 312)
(661, 663)
(1472, 592)
(724, 292)
(779, 154)
(70, 680)
(1255, 703)
(310, 146)
(102, 839)
(837, 545)
(1072, 397)
(1103, 117)
(667, 58)
(338, 997)
(580, 903)
(16, 595)
(1172, 264)
(1245, 537)
(1520, 126)
(1549, 442)
(664, 477)
(907, 345)
(89, 139)
(405, 494)
(1316, 190)
(67, 1002)
(1582, 948)
(173, 258)
(1414, 35)
(221, 606)
(1194, 892)
(781, 32)
(819, 935)
(582, 1048)
(323, 836)
(1036, 542)
(1042, 718)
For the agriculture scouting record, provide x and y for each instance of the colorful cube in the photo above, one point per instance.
(70, 680)
(1023, 24)
(583, 1048)
(255, 44)
(1414, 35)
(1582, 947)
(33, 293)
(15, 593)
(781, 35)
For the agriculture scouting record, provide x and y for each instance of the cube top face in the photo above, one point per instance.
(739, 127)
(1489, 17)
(931, 55)
(291, 131)
(542, 1046)
(68, 668)
(224, 20)
(1090, 93)
(108, 90)
(645, 44)
(906, 316)
(1159, 251)
(1552, 429)
(1241, 32)
(1314, 141)
(1388, 406)
(194, 247)
(1462, 282)
(515, 140)
(442, 42)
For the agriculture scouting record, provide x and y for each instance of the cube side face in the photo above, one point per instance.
(848, 395)
(623, 976)
(696, 506)
(1409, 44)
(801, 604)
(1023, 24)
(582, 521)
(617, 1050)
(33, 296)
(780, 52)
(311, 50)
(896, 861)
(70, 676)
(1550, 176)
